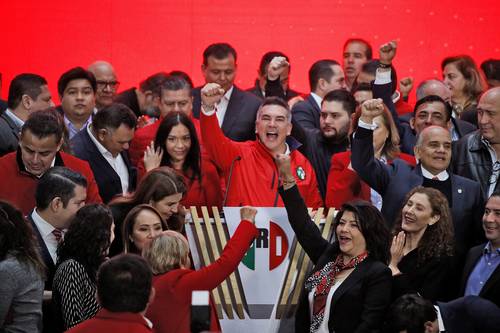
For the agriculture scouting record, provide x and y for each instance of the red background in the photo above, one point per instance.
(143, 37)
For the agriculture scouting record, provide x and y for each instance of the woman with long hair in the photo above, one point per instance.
(84, 247)
(163, 189)
(142, 224)
(462, 76)
(422, 249)
(177, 146)
(350, 285)
(22, 274)
(174, 280)
(344, 183)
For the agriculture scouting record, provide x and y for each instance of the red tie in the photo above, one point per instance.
(435, 178)
(58, 233)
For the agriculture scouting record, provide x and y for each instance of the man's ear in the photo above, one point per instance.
(56, 204)
(101, 134)
(26, 101)
(412, 123)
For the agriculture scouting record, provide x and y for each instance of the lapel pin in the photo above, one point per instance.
(459, 190)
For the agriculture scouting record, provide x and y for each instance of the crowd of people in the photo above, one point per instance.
(416, 246)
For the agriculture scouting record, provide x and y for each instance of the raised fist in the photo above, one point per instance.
(387, 52)
(283, 163)
(211, 94)
(276, 67)
(248, 213)
(370, 109)
(405, 86)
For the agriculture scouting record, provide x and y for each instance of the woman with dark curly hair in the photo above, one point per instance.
(84, 248)
(349, 288)
(462, 76)
(163, 189)
(21, 274)
(177, 146)
(422, 249)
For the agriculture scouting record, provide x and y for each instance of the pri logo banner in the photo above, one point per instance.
(273, 240)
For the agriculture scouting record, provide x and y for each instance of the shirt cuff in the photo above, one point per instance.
(382, 77)
(367, 126)
(208, 113)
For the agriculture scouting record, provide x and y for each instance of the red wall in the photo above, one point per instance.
(142, 37)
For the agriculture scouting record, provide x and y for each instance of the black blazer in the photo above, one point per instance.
(44, 253)
(9, 134)
(470, 314)
(106, 177)
(491, 290)
(307, 113)
(361, 300)
(239, 120)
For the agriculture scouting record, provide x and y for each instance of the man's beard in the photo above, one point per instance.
(339, 136)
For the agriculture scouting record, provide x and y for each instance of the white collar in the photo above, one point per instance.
(99, 146)
(443, 175)
(440, 319)
(317, 99)
(44, 227)
(18, 121)
(228, 93)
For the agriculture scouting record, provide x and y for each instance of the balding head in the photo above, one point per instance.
(433, 87)
(433, 149)
(107, 85)
(488, 115)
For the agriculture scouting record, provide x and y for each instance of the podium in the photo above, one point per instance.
(263, 293)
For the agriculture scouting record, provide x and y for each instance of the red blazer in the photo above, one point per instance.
(18, 186)
(170, 310)
(344, 184)
(255, 178)
(113, 322)
(144, 136)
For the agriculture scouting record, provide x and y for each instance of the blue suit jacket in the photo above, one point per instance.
(239, 120)
(471, 314)
(307, 113)
(394, 181)
(106, 177)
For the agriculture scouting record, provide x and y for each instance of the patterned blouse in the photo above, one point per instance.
(74, 293)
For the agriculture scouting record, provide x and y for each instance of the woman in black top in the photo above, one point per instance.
(422, 248)
(349, 288)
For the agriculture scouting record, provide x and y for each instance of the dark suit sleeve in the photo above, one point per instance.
(306, 231)
(377, 290)
(375, 173)
(274, 88)
(303, 115)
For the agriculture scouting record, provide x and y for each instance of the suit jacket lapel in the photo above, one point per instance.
(44, 252)
(96, 158)
(231, 113)
(353, 278)
(311, 100)
(492, 281)
(15, 130)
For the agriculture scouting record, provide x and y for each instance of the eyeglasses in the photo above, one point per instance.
(111, 84)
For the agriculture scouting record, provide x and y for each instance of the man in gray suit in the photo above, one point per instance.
(27, 93)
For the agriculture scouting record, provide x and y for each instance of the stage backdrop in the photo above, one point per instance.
(143, 37)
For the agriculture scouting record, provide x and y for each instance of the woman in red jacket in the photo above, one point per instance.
(343, 182)
(176, 145)
(168, 256)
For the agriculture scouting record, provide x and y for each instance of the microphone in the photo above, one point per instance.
(237, 158)
(200, 311)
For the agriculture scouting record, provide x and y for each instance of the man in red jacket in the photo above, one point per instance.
(124, 290)
(39, 145)
(249, 167)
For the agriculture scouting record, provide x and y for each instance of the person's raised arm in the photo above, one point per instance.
(220, 148)
(306, 231)
(273, 77)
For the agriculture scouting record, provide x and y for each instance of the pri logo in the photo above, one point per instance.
(274, 240)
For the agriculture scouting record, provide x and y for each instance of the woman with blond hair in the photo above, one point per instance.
(168, 256)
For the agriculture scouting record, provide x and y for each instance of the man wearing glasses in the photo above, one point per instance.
(477, 155)
(107, 84)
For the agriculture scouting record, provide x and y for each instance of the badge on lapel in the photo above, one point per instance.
(459, 191)
(301, 174)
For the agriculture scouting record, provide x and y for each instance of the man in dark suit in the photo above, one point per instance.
(393, 182)
(59, 194)
(324, 76)
(482, 267)
(124, 290)
(237, 110)
(27, 93)
(471, 314)
(103, 144)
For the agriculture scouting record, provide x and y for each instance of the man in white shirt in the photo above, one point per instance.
(59, 195)
(104, 144)
(27, 93)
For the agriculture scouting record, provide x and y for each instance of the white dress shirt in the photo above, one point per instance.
(443, 175)
(117, 163)
(45, 229)
(222, 105)
(317, 99)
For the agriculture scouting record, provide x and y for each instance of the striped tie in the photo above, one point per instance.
(58, 233)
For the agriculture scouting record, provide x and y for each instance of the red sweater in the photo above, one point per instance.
(345, 185)
(255, 178)
(113, 322)
(170, 310)
(18, 186)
